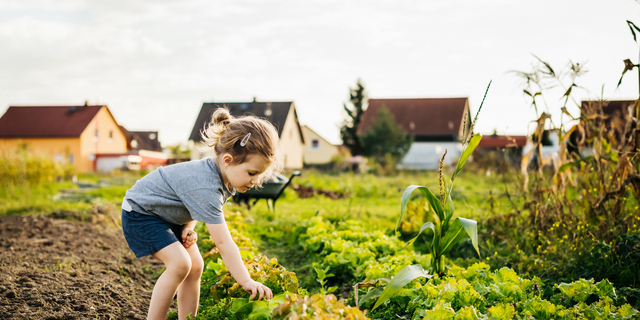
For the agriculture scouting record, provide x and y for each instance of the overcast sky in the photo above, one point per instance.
(155, 62)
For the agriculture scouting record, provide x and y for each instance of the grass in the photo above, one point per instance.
(50, 197)
(376, 200)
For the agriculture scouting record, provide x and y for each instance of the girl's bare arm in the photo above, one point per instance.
(233, 261)
(229, 251)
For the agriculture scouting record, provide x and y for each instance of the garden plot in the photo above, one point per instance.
(60, 269)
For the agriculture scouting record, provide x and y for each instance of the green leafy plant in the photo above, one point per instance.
(318, 306)
(478, 293)
(322, 275)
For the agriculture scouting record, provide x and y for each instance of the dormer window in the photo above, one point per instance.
(315, 144)
(134, 144)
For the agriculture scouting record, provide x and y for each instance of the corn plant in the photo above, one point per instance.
(447, 232)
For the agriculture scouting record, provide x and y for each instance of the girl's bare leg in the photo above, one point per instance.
(178, 265)
(189, 290)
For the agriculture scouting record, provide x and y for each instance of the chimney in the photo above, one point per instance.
(267, 111)
(255, 99)
(86, 103)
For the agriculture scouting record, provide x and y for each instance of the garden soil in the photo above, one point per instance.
(52, 267)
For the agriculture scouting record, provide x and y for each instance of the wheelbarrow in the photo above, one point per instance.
(271, 189)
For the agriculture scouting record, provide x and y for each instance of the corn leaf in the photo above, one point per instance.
(406, 195)
(406, 275)
(459, 230)
(473, 143)
(449, 209)
(631, 27)
(424, 226)
(570, 165)
(370, 295)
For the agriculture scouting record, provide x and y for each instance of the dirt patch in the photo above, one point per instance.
(59, 269)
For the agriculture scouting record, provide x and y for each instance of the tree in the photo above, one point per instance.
(349, 129)
(385, 138)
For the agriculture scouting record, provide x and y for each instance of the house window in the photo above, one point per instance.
(134, 144)
(59, 158)
(110, 136)
(95, 135)
(71, 158)
(315, 144)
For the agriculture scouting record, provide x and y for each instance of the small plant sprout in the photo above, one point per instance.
(322, 275)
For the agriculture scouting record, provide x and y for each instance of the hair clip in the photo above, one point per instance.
(245, 140)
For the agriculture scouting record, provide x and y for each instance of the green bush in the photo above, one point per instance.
(30, 169)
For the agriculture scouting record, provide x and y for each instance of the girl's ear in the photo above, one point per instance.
(227, 159)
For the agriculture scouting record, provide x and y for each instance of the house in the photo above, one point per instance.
(142, 140)
(499, 149)
(74, 135)
(146, 146)
(317, 150)
(435, 124)
(281, 114)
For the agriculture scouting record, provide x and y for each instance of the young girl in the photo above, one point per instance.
(160, 211)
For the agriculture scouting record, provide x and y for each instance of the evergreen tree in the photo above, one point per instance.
(349, 129)
(385, 138)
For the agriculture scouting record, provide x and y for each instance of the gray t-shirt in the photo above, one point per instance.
(181, 193)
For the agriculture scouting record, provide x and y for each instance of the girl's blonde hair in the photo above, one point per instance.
(241, 137)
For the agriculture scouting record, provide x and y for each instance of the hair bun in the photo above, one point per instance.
(221, 117)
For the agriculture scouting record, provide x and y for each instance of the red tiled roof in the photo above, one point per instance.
(46, 121)
(428, 116)
(502, 141)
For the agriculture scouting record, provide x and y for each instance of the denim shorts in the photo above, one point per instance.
(147, 234)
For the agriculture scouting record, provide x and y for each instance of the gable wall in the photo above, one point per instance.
(104, 123)
(63, 150)
(291, 146)
(320, 155)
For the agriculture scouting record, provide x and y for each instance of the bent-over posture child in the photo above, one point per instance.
(160, 211)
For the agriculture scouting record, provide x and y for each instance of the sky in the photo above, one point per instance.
(155, 62)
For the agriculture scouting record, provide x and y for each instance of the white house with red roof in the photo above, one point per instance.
(435, 124)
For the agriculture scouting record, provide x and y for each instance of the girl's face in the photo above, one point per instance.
(244, 176)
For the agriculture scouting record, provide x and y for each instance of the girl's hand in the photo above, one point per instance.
(257, 287)
(189, 237)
